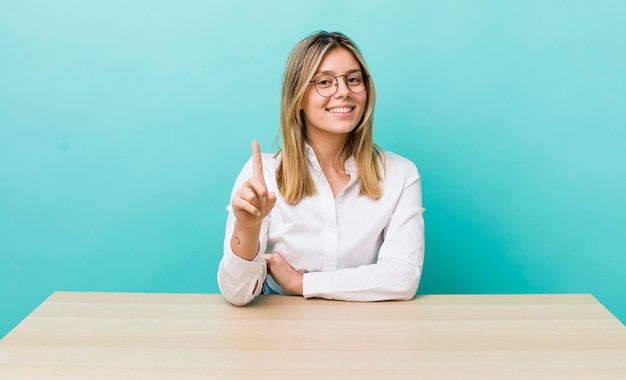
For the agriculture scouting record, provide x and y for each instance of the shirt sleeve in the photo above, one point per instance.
(397, 272)
(241, 280)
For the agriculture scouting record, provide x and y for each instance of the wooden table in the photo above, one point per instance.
(189, 336)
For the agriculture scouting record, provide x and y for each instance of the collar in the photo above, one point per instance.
(349, 165)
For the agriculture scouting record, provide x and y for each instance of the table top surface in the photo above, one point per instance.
(78, 335)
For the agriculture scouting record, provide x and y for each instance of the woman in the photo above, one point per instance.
(331, 215)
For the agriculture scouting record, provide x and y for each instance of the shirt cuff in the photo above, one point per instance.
(241, 280)
(316, 284)
(241, 268)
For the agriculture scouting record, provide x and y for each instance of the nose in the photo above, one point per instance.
(342, 86)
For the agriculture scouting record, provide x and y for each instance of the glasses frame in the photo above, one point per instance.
(365, 82)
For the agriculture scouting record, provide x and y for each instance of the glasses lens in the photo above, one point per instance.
(355, 82)
(326, 85)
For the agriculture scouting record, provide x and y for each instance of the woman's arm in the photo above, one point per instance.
(398, 269)
(242, 268)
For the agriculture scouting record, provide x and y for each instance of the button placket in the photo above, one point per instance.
(330, 227)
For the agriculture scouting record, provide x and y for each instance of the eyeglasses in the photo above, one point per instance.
(327, 85)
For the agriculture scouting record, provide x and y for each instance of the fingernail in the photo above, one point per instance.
(258, 213)
(264, 199)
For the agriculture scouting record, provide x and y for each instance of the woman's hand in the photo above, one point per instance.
(283, 273)
(252, 202)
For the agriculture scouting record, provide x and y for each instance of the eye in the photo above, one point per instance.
(355, 79)
(325, 81)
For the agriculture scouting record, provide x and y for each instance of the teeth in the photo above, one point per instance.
(340, 109)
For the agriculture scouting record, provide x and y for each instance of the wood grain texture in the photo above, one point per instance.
(199, 336)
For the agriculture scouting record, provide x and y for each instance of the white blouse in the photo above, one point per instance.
(351, 247)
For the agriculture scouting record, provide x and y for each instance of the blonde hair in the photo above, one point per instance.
(293, 177)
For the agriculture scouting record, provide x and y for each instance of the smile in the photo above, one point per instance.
(340, 109)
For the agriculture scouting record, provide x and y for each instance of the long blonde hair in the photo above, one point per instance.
(293, 177)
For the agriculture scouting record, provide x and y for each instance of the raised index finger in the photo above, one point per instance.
(257, 164)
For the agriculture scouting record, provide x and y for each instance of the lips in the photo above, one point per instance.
(344, 109)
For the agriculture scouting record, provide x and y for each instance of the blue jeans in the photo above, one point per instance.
(267, 289)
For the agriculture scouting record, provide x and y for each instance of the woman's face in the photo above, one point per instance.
(339, 113)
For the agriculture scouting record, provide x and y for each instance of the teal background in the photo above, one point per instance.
(124, 123)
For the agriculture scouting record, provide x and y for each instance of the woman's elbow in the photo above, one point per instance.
(238, 296)
(406, 289)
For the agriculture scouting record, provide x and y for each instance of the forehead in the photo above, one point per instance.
(338, 60)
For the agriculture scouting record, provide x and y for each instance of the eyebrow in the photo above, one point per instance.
(330, 72)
